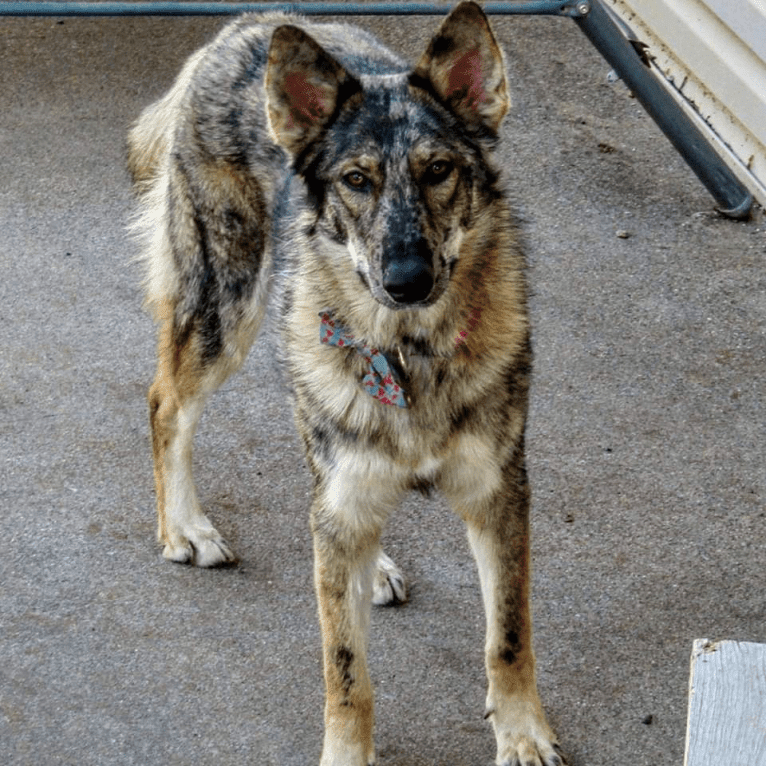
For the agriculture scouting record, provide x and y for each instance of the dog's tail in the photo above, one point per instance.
(150, 137)
(149, 144)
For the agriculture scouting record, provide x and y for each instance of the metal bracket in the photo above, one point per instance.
(579, 8)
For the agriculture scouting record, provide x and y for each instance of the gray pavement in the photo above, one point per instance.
(646, 445)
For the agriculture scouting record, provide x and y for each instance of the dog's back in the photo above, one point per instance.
(225, 95)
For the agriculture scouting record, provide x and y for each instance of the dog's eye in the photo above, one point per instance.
(438, 171)
(356, 180)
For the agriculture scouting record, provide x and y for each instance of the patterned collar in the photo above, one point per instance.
(386, 372)
(383, 379)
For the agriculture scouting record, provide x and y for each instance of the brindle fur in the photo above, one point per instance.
(310, 156)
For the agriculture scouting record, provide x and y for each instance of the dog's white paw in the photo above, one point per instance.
(523, 735)
(337, 751)
(524, 750)
(528, 754)
(200, 547)
(388, 587)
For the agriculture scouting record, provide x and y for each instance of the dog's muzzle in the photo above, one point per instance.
(408, 272)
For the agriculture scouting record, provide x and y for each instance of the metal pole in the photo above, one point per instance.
(531, 7)
(732, 197)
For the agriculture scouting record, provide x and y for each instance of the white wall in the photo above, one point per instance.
(713, 55)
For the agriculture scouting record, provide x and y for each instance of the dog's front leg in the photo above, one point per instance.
(494, 502)
(350, 507)
(344, 592)
(523, 735)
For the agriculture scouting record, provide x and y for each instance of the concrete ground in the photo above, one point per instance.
(646, 445)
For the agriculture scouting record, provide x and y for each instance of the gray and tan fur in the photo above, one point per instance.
(371, 186)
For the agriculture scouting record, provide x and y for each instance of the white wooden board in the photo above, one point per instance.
(727, 704)
(712, 56)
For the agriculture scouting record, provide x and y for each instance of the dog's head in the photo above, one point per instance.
(396, 164)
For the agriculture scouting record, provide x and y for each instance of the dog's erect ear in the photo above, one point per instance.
(304, 88)
(464, 67)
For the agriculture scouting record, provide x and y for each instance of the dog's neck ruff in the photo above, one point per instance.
(381, 381)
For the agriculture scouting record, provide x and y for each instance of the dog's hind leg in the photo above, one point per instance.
(184, 381)
(176, 399)
(208, 269)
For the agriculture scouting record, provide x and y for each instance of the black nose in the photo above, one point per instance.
(409, 278)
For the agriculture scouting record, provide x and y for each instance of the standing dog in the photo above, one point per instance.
(311, 156)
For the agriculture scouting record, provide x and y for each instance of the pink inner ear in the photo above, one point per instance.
(308, 103)
(466, 80)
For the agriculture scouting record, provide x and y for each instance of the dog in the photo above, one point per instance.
(310, 157)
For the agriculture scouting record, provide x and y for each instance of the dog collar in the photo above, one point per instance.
(381, 381)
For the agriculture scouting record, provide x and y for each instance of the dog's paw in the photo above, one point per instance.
(202, 548)
(528, 751)
(524, 737)
(388, 587)
(339, 751)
